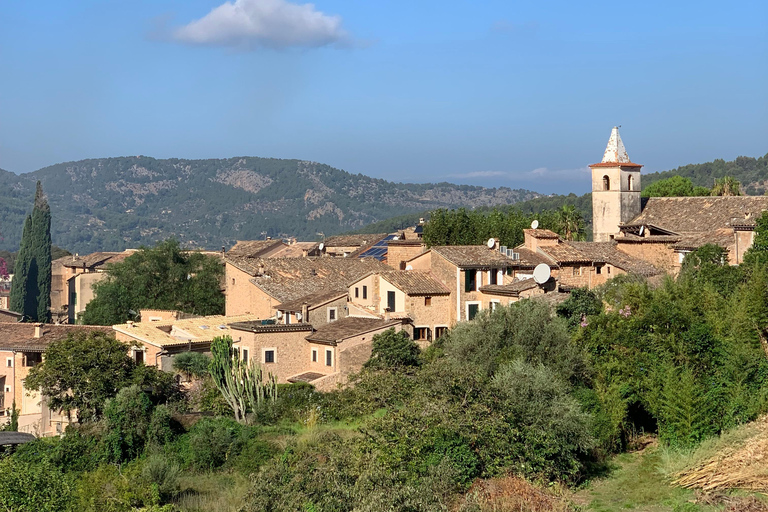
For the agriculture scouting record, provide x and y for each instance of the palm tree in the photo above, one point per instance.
(569, 223)
(726, 186)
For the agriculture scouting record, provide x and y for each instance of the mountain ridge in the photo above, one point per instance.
(118, 202)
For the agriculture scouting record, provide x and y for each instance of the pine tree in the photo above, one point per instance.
(31, 285)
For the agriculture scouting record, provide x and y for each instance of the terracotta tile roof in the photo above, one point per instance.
(21, 336)
(254, 248)
(336, 332)
(415, 282)
(363, 240)
(312, 300)
(696, 214)
(257, 327)
(543, 234)
(288, 279)
(181, 332)
(296, 250)
(94, 260)
(722, 237)
(606, 252)
(628, 237)
(529, 258)
(473, 256)
(305, 377)
(512, 289)
(565, 252)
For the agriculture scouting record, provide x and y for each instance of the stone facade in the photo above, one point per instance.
(245, 298)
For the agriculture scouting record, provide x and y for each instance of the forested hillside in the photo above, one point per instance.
(114, 203)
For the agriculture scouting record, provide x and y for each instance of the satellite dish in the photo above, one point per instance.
(409, 267)
(642, 230)
(534, 225)
(395, 238)
(279, 315)
(298, 316)
(491, 242)
(541, 273)
(321, 246)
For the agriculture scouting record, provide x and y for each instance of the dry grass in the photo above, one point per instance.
(740, 462)
(510, 494)
(212, 492)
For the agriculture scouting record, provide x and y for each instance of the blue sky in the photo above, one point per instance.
(495, 93)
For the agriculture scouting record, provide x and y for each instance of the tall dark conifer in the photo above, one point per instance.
(31, 285)
(18, 298)
(41, 225)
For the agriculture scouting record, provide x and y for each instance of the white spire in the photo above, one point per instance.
(614, 151)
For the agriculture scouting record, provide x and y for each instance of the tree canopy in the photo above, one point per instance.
(676, 186)
(161, 277)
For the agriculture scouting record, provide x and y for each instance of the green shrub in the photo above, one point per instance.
(158, 471)
(26, 486)
(161, 426)
(110, 488)
(249, 455)
(211, 441)
(127, 418)
(392, 350)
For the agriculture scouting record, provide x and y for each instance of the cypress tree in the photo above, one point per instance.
(18, 298)
(41, 225)
(31, 285)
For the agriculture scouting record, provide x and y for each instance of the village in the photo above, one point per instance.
(308, 311)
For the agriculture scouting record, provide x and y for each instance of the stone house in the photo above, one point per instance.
(160, 336)
(346, 246)
(412, 294)
(256, 285)
(21, 347)
(323, 357)
(466, 270)
(317, 308)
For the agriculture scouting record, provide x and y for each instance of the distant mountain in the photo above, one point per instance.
(114, 203)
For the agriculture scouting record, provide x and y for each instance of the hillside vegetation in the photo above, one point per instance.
(114, 203)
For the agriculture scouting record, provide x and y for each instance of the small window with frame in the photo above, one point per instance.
(269, 356)
(328, 357)
(365, 292)
(9, 362)
(357, 292)
(427, 301)
(332, 314)
(314, 355)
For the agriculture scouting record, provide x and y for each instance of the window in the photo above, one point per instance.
(245, 355)
(7, 389)
(422, 333)
(473, 308)
(357, 292)
(494, 277)
(138, 356)
(233, 281)
(328, 357)
(391, 301)
(470, 280)
(269, 356)
(365, 292)
(9, 362)
(606, 183)
(608, 269)
(440, 332)
(32, 358)
(427, 301)
(630, 179)
(314, 355)
(598, 269)
(495, 304)
(331, 314)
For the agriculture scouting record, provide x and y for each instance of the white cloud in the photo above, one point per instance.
(478, 174)
(264, 23)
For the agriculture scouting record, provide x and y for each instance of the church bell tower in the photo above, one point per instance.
(615, 190)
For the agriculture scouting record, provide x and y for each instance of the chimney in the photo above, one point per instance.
(304, 253)
(223, 249)
(386, 314)
(305, 313)
(38, 330)
(530, 241)
(261, 268)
